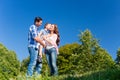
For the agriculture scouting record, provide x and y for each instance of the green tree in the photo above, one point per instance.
(88, 45)
(102, 59)
(87, 56)
(118, 57)
(92, 55)
(24, 65)
(66, 59)
(9, 64)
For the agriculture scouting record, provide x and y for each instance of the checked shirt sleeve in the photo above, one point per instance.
(33, 32)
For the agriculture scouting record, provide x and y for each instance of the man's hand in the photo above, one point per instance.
(40, 41)
(44, 37)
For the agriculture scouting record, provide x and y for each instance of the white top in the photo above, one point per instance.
(53, 39)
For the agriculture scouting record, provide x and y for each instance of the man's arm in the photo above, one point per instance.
(40, 41)
(35, 36)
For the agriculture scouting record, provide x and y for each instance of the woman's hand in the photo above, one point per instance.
(44, 37)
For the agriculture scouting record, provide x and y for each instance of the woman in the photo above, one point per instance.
(52, 41)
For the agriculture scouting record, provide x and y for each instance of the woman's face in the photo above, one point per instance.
(52, 28)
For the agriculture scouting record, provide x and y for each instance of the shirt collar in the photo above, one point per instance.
(36, 27)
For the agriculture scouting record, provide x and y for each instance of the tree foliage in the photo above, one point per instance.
(87, 56)
(118, 57)
(9, 64)
(66, 58)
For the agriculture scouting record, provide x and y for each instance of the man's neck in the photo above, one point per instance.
(36, 26)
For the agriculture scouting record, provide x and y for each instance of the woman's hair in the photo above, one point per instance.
(57, 32)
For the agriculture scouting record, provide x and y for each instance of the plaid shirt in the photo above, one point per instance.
(33, 32)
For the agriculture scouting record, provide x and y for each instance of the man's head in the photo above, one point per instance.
(47, 26)
(38, 21)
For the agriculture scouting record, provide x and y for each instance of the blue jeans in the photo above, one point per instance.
(33, 62)
(51, 55)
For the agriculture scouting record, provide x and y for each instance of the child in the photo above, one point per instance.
(42, 33)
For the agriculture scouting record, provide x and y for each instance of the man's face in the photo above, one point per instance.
(38, 23)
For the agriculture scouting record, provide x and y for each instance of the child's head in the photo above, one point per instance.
(47, 26)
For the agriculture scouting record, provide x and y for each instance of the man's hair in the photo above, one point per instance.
(37, 19)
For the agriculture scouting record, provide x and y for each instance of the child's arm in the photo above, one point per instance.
(40, 34)
(40, 51)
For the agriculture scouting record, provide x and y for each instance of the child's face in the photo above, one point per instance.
(48, 26)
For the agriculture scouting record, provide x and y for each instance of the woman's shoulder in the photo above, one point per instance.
(32, 27)
(55, 35)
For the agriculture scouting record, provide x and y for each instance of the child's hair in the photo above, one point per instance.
(46, 25)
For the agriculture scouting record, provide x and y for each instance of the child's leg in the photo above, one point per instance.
(40, 50)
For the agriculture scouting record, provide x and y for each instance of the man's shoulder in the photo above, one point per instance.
(32, 27)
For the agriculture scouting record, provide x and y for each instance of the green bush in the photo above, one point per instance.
(9, 64)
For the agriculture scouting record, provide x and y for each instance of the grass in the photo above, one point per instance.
(109, 74)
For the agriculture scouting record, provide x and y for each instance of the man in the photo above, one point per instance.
(33, 45)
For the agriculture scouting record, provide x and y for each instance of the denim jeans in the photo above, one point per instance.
(51, 55)
(33, 62)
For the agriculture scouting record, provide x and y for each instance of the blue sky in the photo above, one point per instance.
(72, 16)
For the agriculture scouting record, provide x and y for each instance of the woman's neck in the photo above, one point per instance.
(51, 32)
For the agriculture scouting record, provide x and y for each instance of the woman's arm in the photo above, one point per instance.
(52, 41)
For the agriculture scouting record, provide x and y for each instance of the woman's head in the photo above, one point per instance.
(54, 29)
